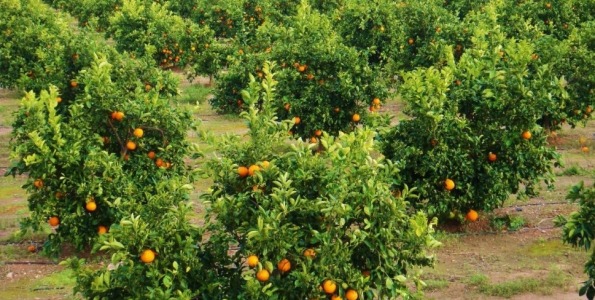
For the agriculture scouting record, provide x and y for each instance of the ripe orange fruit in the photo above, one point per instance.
(159, 162)
(329, 286)
(101, 229)
(376, 101)
(457, 82)
(32, 248)
(263, 275)
(313, 140)
(117, 115)
(91, 206)
(138, 133)
(589, 109)
(147, 256)
(336, 109)
(472, 216)
(130, 145)
(302, 68)
(54, 221)
(151, 154)
(252, 261)
(287, 106)
(58, 99)
(372, 108)
(351, 294)
(526, 135)
(410, 41)
(73, 83)
(253, 169)
(585, 149)
(355, 118)
(310, 253)
(59, 195)
(492, 157)
(147, 87)
(297, 120)
(449, 185)
(243, 171)
(284, 265)
(336, 297)
(310, 76)
(38, 183)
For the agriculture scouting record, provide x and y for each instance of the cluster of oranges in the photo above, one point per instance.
(284, 266)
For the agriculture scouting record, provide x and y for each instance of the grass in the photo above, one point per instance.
(555, 279)
(195, 95)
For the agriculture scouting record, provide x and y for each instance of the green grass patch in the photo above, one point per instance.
(436, 284)
(543, 248)
(195, 94)
(574, 170)
(555, 279)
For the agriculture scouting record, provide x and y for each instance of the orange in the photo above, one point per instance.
(91, 206)
(263, 275)
(243, 171)
(589, 109)
(310, 76)
(284, 265)
(265, 164)
(329, 286)
(372, 108)
(526, 135)
(313, 140)
(59, 195)
(585, 149)
(355, 118)
(151, 154)
(54, 221)
(472, 216)
(410, 41)
(457, 82)
(58, 99)
(336, 109)
(31, 248)
(336, 297)
(318, 132)
(130, 145)
(117, 115)
(449, 185)
(105, 140)
(302, 68)
(38, 183)
(73, 83)
(376, 101)
(101, 229)
(147, 256)
(287, 106)
(492, 157)
(252, 261)
(253, 169)
(297, 120)
(147, 87)
(351, 294)
(310, 253)
(159, 163)
(138, 133)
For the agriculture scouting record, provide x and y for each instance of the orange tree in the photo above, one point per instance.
(93, 158)
(89, 12)
(579, 231)
(87, 147)
(311, 219)
(473, 136)
(323, 83)
(152, 29)
(29, 36)
(572, 59)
